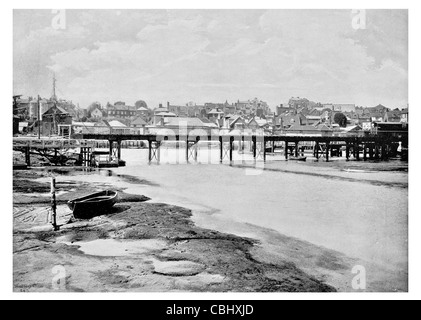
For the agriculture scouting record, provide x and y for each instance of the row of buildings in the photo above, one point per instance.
(299, 115)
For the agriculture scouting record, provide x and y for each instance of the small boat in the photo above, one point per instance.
(93, 205)
(299, 158)
(20, 166)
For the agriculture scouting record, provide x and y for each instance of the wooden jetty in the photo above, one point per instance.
(379, 145)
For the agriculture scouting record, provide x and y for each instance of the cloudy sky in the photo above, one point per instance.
(213, 56)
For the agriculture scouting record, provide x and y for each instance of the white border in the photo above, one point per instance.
(6, 269)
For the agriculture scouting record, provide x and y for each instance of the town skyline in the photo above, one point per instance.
(213, 56)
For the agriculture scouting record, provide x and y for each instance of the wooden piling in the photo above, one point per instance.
(231, 147)
(327, 150)
(365, 152)
(296, 149)
(286, 149)
(254, 147)
(264, 149)
(28, 156)
(221, 150)
(150, 151)
(54, 204)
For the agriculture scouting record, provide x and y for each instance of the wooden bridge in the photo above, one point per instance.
(371, 146)
(378, 146)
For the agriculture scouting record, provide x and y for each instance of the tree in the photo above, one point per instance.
(140, 103)
(340, 119)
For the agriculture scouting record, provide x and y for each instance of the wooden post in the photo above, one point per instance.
(296, 149)
(317, 146)
(264, 148)
(54, 204)
(111, 148)
(357, 151)
(254, 147)
(187, 150)
(221, 150)
(365, 152)
(286, 149)
(28, 155)
(231, 147)
(347, 151)
(370, 151)
(150, 151)
(119, 150)
(327, 151)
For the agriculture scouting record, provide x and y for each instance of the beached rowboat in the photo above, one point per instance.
(299, 158)
(93, 205)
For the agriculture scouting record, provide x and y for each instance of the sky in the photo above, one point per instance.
(327, 56)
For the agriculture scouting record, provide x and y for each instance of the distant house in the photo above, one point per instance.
(139, 124)
(311, 120)
(319, 130)
(404, 116)
(351, 129)
(53, 118)
(180, 125)
(215, 114)
(344, 107)
(96, 114)
(120, 110)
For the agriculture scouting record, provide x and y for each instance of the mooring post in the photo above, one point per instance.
(53, 203)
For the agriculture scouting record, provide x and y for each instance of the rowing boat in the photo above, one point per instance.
(93, 205)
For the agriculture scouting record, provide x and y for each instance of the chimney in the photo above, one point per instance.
(160, 105)
(168, 104)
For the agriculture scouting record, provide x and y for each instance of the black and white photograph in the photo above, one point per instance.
(236, 150)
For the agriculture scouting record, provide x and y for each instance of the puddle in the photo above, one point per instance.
(119, 248)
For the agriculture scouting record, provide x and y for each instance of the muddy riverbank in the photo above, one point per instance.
(140, 246)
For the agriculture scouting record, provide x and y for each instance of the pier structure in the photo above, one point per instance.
(363, 147)
(372, 147)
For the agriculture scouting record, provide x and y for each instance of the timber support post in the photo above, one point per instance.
(221, 150)
(254, 142)
(327, 150)
(231, 147)
(264, 148)
(286, 149)
(365, 152)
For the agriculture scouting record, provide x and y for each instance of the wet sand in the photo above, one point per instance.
(143, 246)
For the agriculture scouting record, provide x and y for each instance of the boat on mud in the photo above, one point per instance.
(299, 158)
(93, 205)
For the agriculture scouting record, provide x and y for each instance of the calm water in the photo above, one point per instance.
(357, 208)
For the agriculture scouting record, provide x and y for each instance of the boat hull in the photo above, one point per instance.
(93, 205)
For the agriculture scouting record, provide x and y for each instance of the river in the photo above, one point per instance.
(357, 208)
